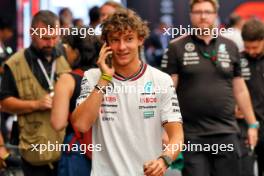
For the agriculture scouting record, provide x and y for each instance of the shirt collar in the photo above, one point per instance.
(134, 77)
(201, 41)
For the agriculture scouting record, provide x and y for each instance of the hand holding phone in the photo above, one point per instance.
(105, 60)
(108, 60)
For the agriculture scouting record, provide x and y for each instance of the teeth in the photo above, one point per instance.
(122, 54)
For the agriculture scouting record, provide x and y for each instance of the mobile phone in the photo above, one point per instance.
(109, 59)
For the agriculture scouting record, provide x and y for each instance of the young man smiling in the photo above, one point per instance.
(128, 125)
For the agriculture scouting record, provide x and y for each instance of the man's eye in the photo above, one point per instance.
(130, 39)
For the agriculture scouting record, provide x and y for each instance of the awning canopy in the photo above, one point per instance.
(251, 9)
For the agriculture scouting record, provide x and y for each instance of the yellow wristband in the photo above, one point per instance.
(106, 77)
(6, 156)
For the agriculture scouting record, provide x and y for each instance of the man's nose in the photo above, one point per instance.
(51, 42)
(251, 52)
(203, 15)
(122, 45)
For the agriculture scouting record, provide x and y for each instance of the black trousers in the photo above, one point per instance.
(248, 157)
(212, 159)
(45, 170)
(260, 150)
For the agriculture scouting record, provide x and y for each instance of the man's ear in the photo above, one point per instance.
(141, 40)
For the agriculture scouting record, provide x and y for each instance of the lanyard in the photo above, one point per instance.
(50, 79)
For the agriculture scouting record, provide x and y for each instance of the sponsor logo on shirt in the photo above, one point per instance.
(148, 87)
(103, 111)
(222, 48)
(110, 99)
(189, 47)
(109, 105)
(245, 70)
(225, 64)
(174, 98)
(108, 119)
(190, 58)
(244, 62)
(148, 100)
(176, 110)
(148, 114)
(223, 56)
(147, 107)
(175, 104)
(153, 93)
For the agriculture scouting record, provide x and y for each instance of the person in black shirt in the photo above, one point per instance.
(252, 66)
(207, 75)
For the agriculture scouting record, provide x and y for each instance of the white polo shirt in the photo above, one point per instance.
(129, 127)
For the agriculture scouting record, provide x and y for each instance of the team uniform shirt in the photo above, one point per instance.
(204, 89)
(129, 126)
(253, 73)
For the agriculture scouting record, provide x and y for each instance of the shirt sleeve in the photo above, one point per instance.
(170, 110)
(170, 60)
(86, 89)
(8, 86)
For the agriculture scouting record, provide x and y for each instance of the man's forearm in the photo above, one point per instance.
(17, 106)
(176, 140)
(243, 100)
(173, 148)
(87, 112)
(245, 105)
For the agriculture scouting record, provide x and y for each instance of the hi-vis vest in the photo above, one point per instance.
(35, 127)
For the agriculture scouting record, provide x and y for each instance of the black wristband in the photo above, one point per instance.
(167, 160)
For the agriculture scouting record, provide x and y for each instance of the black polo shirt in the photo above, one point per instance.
(253, 73)
(8, 86)
(205, 89)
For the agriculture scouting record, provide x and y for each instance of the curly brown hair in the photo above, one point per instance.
(122, 20)
(113, 4)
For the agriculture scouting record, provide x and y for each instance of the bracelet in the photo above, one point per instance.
(166, 159)
(106, 77)
(254, 125)
(100, 88)
(6, 156)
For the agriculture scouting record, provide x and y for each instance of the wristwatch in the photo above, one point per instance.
(254, 125)
(167, 160)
